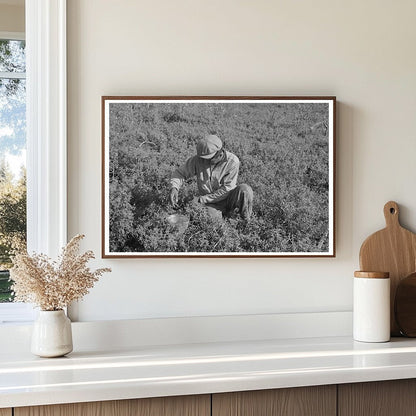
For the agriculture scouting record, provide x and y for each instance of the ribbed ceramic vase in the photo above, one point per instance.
(52, 334)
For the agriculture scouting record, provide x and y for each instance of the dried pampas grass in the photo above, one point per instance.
(53, 285)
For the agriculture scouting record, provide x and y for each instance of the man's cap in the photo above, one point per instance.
(208, 146)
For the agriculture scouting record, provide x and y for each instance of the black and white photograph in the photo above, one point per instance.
(218, 176)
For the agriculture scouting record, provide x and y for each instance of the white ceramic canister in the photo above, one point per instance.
(371, 310)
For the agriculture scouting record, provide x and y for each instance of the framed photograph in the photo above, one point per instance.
(218, 176)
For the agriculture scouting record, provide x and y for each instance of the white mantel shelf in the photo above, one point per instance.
(151, 371)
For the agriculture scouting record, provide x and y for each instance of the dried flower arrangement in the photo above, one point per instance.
(53, 285)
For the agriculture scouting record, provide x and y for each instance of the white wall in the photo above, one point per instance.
(361, 51)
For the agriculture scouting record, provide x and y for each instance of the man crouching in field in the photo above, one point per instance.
(216, 172)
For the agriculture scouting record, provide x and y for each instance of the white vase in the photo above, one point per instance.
(52, 334)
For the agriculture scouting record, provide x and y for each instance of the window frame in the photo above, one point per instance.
(46, 125)
(46, 136)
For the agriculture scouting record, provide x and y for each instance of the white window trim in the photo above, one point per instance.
(12, 35)
(13, 75)
(46, 134)
(46, 125)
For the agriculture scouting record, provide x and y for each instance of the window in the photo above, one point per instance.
(12, 166)
(46, 133)
(12, 155)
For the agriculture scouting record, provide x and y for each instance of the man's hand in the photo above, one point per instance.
(174, 198)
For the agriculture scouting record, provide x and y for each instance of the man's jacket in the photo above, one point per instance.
(214, 182)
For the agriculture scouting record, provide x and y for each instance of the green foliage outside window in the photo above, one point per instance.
(12, 224)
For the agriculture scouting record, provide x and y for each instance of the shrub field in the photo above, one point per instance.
(283, 151)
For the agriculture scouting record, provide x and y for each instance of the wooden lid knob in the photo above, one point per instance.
(372, 275)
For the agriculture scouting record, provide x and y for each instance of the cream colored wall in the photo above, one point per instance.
(12, 18)
(361, 51)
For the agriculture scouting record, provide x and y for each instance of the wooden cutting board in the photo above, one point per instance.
(393, 250)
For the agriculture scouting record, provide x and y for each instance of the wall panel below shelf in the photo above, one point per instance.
(300, 401)
(381, 398)
(162, 406)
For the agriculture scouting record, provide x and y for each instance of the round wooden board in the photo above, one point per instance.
(405, 306)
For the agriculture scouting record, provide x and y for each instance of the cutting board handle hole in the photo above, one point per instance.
(391, 214)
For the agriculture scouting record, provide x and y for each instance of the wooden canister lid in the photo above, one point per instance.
(372, 275)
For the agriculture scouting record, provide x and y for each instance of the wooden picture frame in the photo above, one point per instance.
(280, 148)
